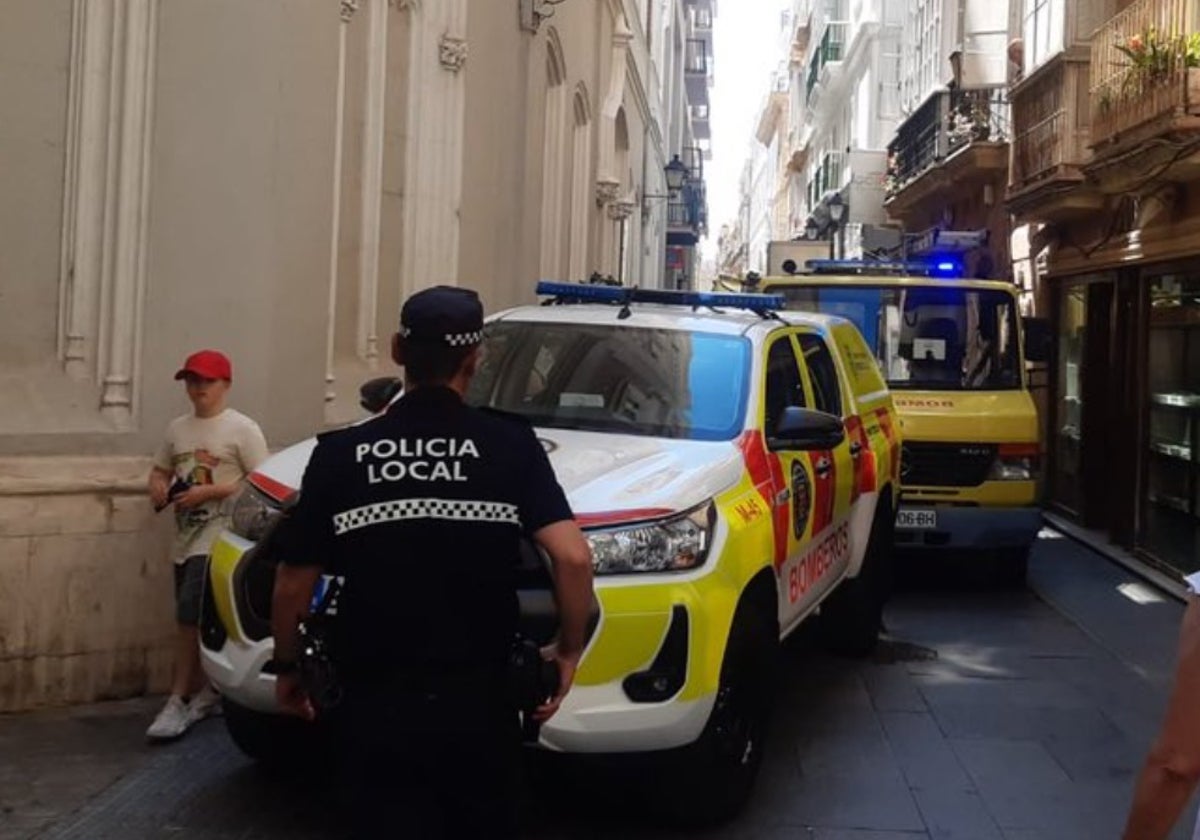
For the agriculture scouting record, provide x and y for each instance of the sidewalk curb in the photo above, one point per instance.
(1117, 555)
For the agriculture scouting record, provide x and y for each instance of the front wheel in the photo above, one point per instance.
(711, 780)
(852, 616)
(273, 740)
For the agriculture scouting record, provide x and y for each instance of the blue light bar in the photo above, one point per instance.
(626, 294)
(940, 268)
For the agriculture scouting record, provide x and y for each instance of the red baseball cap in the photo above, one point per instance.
(207, 364)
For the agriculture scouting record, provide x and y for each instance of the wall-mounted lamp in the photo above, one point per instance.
(675, 174)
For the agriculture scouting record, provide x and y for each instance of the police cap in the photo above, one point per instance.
(446, 314)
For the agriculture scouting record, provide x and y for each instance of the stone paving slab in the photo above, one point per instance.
(991, 716)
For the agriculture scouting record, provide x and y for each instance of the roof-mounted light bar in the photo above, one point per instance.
(581, 292)
(921, 268)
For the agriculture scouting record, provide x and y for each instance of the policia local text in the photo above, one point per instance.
(421, 459)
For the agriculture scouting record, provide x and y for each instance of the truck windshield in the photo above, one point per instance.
(632, 380)
(933, 338)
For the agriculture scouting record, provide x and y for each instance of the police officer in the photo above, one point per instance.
(421, 511)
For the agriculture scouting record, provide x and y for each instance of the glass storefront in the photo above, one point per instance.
(1068, 404)
(1170, 521)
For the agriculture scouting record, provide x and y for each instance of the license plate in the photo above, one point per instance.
(916, 520)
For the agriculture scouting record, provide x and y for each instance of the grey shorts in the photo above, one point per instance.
(189, 589)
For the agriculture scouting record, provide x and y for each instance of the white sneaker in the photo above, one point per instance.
(206, 702)
(171, 722)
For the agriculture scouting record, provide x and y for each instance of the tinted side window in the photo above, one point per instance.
(821, 369)
(784, 385)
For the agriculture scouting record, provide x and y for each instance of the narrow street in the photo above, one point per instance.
(987, 716)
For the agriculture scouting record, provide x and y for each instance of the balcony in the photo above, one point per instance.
(1145, 75)
(956, 137)
(693, 159)
(828, 177)
(701, 125)
(702, 23)
(687, 215)
(1051, 125)
(697, 70)
(831, 50)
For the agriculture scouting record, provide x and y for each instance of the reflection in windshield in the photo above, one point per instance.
(937, 338)
(665, 383)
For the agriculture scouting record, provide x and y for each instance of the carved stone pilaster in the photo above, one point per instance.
(452, 52)
(404, 5)
(349, 7)
(619, 211)
(607, 191)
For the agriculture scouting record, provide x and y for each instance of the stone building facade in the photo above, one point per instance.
(272, 178)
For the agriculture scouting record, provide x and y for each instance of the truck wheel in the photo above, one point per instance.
(1012, 566)
(711, 780)
(851, 618)
(275, 741)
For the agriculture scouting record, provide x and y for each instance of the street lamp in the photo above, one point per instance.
(837, 209)
(675, 172)
(811, 229)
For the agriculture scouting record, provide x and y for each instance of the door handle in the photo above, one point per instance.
(782, 497)
(855, 449)
(822, 469)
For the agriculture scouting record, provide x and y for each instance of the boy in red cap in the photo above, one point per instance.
(203, 458)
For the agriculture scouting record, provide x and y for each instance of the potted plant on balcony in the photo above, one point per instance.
(1154, 56)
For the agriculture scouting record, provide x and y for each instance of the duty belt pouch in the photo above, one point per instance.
(532, 681)
(318, 674)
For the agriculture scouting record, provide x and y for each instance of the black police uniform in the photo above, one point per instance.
(421, 510)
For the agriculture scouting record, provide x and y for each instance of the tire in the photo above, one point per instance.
(710, 781)
(852, 617)
(1012, 567)
(275, 741)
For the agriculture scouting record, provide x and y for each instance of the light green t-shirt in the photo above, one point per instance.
(208, 450)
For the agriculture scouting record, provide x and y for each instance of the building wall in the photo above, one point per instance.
(271, 179)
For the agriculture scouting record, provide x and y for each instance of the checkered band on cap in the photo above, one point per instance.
(400, 510)
(453, 339)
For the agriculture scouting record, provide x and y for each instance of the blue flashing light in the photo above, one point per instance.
(626, 294)
(938, 268)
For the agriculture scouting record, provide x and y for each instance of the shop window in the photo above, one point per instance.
(1068, 408)
(1170, 525)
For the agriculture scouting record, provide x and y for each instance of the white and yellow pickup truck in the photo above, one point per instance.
(736, 471)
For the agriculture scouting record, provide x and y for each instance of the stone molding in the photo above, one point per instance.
(452, 52)
(25, 475)
(608, 190)
(102, 282)
(349, 7)
(618, 211)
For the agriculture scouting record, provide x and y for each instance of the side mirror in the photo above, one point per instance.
(804, 429)
(375, 394)
(1037, 339)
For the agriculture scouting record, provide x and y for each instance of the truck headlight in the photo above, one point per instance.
(253, 513)
(1015, 462)
(673, 544)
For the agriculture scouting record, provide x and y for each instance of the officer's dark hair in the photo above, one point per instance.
(432, 362)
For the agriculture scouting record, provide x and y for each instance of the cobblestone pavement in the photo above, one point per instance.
(993, 716)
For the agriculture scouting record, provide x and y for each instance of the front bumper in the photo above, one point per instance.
(633, 636)
(971, 527)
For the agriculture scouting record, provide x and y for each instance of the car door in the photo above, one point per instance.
(834, 472)
(804, 573)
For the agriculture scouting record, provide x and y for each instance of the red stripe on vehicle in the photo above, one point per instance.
(603, 518)
(277, 490)
(766, 471)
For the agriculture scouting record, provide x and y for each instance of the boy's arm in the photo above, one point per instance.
(159, 480)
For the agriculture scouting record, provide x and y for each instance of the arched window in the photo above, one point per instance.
(554, 181)
(581, 181)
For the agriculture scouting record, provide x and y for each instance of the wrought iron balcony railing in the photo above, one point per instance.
(946, 122)
(1145, 66)
(827, 177)
(830, 50)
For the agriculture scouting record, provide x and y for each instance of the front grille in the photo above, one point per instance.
(945, 464)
